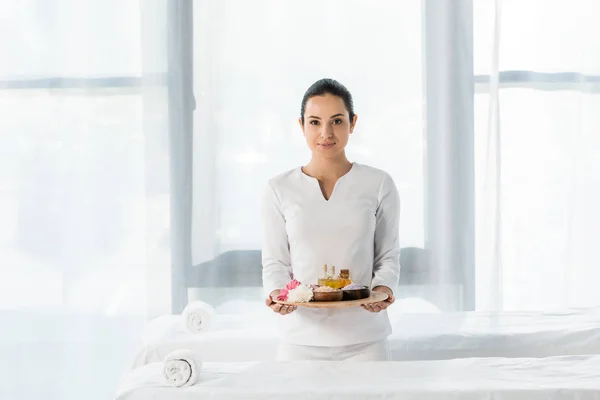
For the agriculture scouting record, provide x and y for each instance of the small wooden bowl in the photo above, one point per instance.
(328, 296)
(356, 294)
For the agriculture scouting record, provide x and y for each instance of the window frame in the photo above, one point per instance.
(60, 82)
(546, 81)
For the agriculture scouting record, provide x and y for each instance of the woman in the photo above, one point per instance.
(334, 212)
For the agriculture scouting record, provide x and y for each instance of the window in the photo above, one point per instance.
(549, 80)
(84, 191)
(245, 120)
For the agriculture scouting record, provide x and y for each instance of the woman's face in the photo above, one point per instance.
(327, 125)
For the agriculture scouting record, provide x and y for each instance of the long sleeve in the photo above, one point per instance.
(386, 266)
(275, 248)
(356, 229)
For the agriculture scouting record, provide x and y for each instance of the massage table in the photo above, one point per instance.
(567, 377)
(253, 336)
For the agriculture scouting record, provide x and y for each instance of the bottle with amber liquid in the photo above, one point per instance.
(324, 278)
(345, 278)
(334, 281)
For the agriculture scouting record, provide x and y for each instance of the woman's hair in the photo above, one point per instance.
(330, 86)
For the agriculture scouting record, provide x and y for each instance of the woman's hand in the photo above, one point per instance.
(278, 308)
(381, 305)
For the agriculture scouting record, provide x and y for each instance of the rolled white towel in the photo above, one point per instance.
(181, 368)
(198, 316)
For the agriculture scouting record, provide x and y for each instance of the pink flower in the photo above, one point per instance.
(283, 294)
(293, 285)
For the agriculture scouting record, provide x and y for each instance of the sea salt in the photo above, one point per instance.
(353, 286)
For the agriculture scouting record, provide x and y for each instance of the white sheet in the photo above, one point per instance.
(233, 338)
(254, 337)
(142, 382)
(570, 377)
(508, 334)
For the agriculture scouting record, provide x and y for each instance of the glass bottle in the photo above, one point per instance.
(335, 281)
(345, 278)
(324, 278)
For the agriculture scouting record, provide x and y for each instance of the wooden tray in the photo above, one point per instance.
(373, 298)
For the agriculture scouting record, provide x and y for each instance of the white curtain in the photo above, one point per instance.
(537, 137)
(84, 192)
(253, 62)
(535, 134)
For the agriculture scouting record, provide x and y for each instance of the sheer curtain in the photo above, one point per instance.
(253, 62)
(84, 192)
(528, 140)
(537, 139)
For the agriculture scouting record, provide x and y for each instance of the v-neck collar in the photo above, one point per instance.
(315, 181)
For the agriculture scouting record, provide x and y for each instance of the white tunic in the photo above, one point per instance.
(356, 229)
